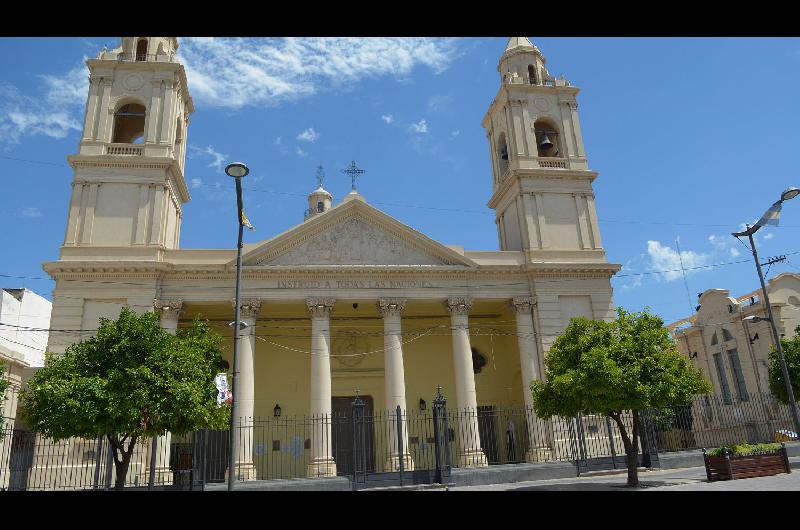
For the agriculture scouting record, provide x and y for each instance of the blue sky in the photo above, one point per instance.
(691, 137)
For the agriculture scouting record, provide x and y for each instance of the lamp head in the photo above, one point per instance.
(237, 170)
(752, 319)
(790, 193)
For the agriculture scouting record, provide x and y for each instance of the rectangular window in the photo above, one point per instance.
(738, 376)
(723, 381)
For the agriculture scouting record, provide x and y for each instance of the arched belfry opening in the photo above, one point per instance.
(502, 154)
(532, 75)
(129, 124)
(141, 50)
(547, 138)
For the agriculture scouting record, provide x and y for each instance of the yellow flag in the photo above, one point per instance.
(245, 222)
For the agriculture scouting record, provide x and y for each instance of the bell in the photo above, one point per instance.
(545, 143)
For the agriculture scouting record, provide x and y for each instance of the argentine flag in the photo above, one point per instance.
(771, 216)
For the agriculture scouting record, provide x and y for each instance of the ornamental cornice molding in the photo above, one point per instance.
(513, 176)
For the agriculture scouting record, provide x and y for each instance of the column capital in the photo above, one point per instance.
(390, 307)
(523, 304)
(459, 306)
(320, 307)
(168, 308)
(248, 308)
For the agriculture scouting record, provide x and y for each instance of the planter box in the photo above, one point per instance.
(729, 467)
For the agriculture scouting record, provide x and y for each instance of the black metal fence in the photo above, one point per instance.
(711, 422)
(365, 443)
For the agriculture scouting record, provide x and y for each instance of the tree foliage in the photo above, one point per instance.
(607, 368)
(791, 353)
(133, 379)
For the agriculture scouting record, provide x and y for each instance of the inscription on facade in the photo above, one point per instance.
(353, 284)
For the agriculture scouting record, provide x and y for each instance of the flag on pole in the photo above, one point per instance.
(245, 222)
(771, 216)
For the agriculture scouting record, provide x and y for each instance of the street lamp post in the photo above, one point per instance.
(236, 170)
(772, 215)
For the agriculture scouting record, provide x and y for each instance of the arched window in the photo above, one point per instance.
(320, 207)
(502, 154)
(726, 335)
(714, 340)
(532, 75)
(547, 139)
(141, 50)
(129, 124)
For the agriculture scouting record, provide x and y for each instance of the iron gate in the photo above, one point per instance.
(403, 441)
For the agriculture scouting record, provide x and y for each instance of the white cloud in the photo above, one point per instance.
(455, 133)
(421, 127)
(734, 252)
(387, 118)
(300, 152)
(769, 235)
(278, 140)
(53, 114)
(218, 159)
(664, 258)
(30, 212)
(309, 135)
(196, 183)
(235, 72)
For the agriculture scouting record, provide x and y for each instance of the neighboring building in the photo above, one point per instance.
(24, 320)
(733, 354)
(351, 297)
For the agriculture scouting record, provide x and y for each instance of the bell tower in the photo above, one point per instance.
(128, 185)
(542, 186)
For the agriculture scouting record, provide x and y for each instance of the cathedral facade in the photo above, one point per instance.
(351, 298)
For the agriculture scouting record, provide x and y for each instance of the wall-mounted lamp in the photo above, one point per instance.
(754, 339)
(276, 411)
(693, 355)
(422, 404)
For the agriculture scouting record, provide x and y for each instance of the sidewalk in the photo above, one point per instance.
(686, 479)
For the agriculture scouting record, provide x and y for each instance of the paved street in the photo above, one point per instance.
(688, 479)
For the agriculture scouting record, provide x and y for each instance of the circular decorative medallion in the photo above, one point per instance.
(541, 103)
(133, 82)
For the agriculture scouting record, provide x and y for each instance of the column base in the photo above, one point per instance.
(393, 463)
(163, 476)
(323, 467)
(244, 472)
(539, 453)
(472, 458)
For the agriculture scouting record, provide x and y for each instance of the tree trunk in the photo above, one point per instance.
(122, 458)
(631, 447)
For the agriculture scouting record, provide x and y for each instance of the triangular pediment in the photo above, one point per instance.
(353, 233)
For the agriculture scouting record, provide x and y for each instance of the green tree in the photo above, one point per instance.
(131, 380)
(607, 368)
(791, 353)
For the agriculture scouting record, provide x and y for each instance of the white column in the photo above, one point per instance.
(322, 462)
(394, 379)
(537, 450)
(170, 312)
(245, 388)
(470, 453)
